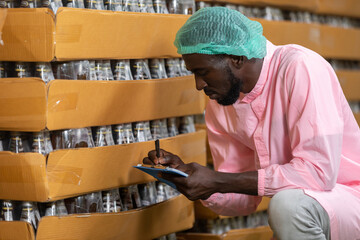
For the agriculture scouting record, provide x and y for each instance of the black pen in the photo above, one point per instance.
(157, 148)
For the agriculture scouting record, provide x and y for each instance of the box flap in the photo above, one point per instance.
(148, 223)
(81, 103)
(16, 230)
(91, 34)
(75, 171)
(350, 83)
(28, 35)
(22, 104)
(23, 176)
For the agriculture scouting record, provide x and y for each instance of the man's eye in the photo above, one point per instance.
(201, 73)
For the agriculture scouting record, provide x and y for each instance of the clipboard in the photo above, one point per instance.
(154, 172)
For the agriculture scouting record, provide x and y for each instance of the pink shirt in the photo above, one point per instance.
(297, 130)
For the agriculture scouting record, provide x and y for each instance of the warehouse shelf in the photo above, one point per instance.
(330, 42)
(72, 172)
(27, 104)
(34, 35)
(140, 224)
(259, 233)
(202, 212)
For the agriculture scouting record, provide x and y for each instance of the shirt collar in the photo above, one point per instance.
(256, 91)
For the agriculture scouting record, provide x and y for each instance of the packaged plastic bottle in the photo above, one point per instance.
(7, 211)
(104, 136)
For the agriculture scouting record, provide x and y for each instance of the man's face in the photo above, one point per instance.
(214, 75)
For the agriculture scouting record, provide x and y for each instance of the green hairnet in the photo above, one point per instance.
(219, 30)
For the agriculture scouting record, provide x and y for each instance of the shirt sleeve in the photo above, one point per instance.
(226, 153)
(315, 127)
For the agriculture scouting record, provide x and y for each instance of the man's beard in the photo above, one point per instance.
(234, 92)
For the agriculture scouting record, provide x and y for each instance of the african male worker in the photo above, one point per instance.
(278, 125)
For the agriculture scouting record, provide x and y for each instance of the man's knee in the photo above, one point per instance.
(283, 205)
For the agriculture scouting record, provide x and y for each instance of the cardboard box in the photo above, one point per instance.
(92, 34)
(259, 233)
(357, 117)
(173, 215)
(34, 35)
(3, 13)
(202, 212)
(308, 5)
(349, 8)
(29, 105)
(28, 35)
(67, 173)
(84, 34)
(350, 83)
(330, 42)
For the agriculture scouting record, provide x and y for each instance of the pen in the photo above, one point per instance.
(157, 148)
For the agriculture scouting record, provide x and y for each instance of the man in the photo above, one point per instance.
(278, 126)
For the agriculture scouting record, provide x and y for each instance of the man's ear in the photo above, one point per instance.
(237, 61)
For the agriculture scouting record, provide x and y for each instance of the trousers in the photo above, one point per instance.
(293, 215)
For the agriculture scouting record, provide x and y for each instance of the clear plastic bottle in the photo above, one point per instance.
(113, 5)
(63, 139)
(64, 70)
(112, 201)
(43, 70)
(123, 134)
(99, 70)
(92, 71)
(23, 70)
(30, 214)
(95, 4)
(108, 75)
(140, 69)
(160, 6)
(38, 143)
(122, 70)
(131, 6)
(82, 138)
(17, 145)
(187, 124)
(156, 129)
(139, 132)
(75, 3)
(54, 5)
(82, 70)
(172, 67)
(7, 211)
(172, 127)
(94, 203)
(164, 128)
(30, 3)
(126, 199)
(148, 131)
(3, 68)
(104, 136)
(157, 68)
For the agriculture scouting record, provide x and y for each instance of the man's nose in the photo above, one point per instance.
(200, 83)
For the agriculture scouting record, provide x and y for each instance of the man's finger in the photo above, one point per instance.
(148, 161)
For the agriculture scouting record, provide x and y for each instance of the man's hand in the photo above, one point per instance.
(202, 182)
(198, 185)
